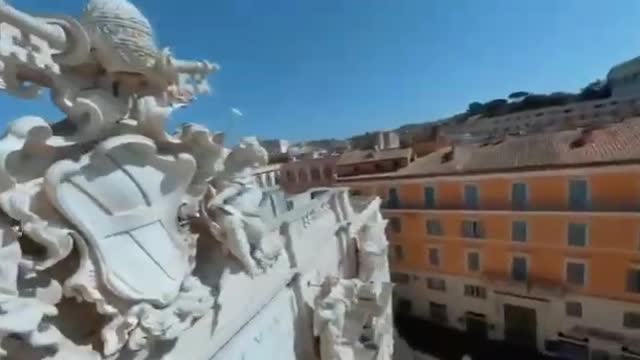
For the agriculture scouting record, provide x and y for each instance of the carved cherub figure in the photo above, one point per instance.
(236, 202)
(331, 307)
(343, 311)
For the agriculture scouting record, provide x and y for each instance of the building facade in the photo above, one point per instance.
(597, 112)
(268, 177)
(362, 162)
(308, 172)
(429, 140)
(624, 78)
(535, 240)
(275, 146)
(376, 140)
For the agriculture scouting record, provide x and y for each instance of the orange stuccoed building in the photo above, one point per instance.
(532, 239)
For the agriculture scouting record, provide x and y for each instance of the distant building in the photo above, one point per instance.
(326, 146)
(530, 239)
(308, 172)
(362, 162)
(428, 140)
(379, 139)
(571, 116)
(268, 177)
(624, 78)
(624, 81)
(275, 146)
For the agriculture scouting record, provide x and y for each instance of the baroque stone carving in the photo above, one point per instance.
(345, 314)
(106, 184)
(373, 259)
(99, 207)
(124, 198)
(234, 209)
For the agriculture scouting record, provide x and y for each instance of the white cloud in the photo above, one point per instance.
(236, 112)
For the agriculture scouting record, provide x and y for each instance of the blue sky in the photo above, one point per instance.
(305, 69)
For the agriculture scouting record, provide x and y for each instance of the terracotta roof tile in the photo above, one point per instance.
(616, 142)
(359, 156)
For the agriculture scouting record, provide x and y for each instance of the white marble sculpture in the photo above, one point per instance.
(106, 182)
(374, 263)
(234, 209)
(100, 256)
(345, 312)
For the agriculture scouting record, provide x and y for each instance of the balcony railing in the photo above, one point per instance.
(533, 286)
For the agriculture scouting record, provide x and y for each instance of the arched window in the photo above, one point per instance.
(315, 174)
(302, 175)
(328, 172)
(291, 176)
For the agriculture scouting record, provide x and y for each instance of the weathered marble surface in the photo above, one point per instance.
(120, 241)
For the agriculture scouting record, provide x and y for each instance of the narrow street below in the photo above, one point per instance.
(449, 344)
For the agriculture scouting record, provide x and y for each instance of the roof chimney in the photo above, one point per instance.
(448, 154)
(585, 137)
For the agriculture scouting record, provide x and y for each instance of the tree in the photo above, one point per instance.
(560, 98)
(496, 107)
(518, 95)
(597, 89)
(475, 108)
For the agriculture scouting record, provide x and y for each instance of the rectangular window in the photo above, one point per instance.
(631, 320)
(519, 196)
(633, 281)
(519, 231)
(436, 284)
(577, 234)
(573, 309)
(434, 257)
(434, 227)
(399, 278)
(578, 195)
(475, 291)
(576, 273)
(473, 261)
(394, 200)
(519, 268)
(429, 197)
(399, 252)
(395, 224)
(472, 229)
(471, 197)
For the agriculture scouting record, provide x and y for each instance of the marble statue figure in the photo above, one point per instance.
(235, 207)
(344, 310)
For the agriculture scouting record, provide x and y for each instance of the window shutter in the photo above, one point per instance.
(632, 281)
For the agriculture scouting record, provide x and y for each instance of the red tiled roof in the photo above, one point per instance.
(614, 143)
(360, 156)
